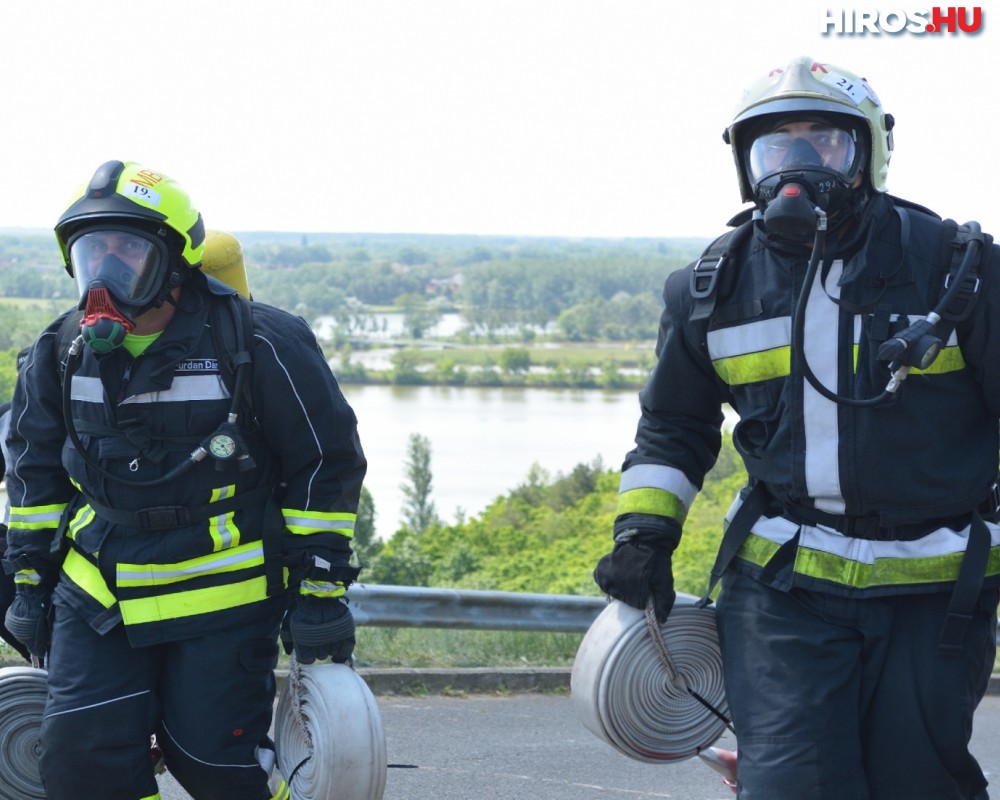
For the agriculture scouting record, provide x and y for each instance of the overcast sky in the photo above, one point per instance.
(532, 117)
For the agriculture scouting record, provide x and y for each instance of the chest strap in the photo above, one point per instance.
(161, 518)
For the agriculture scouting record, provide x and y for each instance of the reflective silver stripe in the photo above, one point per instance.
(222, 532)
(753, 337)
(658, 476)
(141, 574)
(943, 541)
(327, 523)
(87, 390)
(50, 517)
(183, 389)
(820, 417)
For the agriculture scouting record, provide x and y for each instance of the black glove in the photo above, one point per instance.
(319, 628)
(639, 567)
(28, 619)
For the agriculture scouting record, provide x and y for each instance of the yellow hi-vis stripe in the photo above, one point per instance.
(35, 518)
(306, 522)
(88, 577)
(193, 602)
(651, 501)
(861, 575)
(283, 793)
(234, 559)
(754, 367)
(221, 528)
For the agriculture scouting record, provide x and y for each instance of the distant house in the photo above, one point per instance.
(445, 286)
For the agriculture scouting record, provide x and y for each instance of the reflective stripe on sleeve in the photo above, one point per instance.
(655, 489)
(321, 588)
(306, 522)
(27, 577)
(36, 518)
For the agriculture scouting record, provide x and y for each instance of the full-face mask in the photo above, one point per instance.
(121, 272)
(802, 161)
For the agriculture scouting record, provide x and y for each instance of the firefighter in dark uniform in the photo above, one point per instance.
(7, 581)
(857, 614)
(165, 515)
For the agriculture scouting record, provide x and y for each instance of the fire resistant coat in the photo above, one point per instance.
(182, 567)
(916, 466)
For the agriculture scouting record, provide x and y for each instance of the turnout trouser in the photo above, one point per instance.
(847, 698)
(208, 700)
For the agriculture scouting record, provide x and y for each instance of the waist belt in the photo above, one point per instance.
(160, 518)
(870, 527)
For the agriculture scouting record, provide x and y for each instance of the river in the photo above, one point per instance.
(484, 441)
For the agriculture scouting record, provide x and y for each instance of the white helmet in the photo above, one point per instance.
(806, 88)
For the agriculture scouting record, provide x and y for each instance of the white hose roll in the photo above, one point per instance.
(328, 735)
(22, 699)
(623, 691)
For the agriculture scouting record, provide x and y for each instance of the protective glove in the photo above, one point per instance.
(319, 628)
(28, 619)
(640, 567)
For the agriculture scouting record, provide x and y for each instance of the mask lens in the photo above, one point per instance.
(802, 145)
(131, 266)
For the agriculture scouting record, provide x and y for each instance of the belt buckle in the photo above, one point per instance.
(161, 518)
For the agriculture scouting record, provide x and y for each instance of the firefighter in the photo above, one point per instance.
(852, 333)
(180, 479)
(7, 581)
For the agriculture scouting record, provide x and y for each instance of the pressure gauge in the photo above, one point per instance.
(222, 446)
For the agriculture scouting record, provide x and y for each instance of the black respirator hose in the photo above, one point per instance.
(799, 326)
(898, 370)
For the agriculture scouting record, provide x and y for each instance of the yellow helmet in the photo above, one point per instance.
(805, 86)
(130, 195)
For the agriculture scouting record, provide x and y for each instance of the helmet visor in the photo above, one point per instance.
(132, 266)
(801, 145)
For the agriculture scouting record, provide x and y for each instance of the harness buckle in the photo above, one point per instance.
(705, 275)
(162, 517)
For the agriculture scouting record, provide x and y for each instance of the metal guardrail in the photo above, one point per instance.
(419, 607)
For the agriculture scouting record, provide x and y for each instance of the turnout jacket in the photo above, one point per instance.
(212, 547)
(866, 501)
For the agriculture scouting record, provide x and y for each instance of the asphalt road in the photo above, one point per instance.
(490, 747)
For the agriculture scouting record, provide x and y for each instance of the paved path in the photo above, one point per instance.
(490, 747)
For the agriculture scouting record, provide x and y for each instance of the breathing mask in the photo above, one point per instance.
(120, 272)
(797, 163)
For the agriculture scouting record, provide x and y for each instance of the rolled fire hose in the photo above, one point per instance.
(651, 704)
(328, 735)
(22, 698)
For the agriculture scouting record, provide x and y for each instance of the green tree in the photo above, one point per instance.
(419, 315)
(419, 513)
(365, 544)
(404, 366)
(515, 360)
